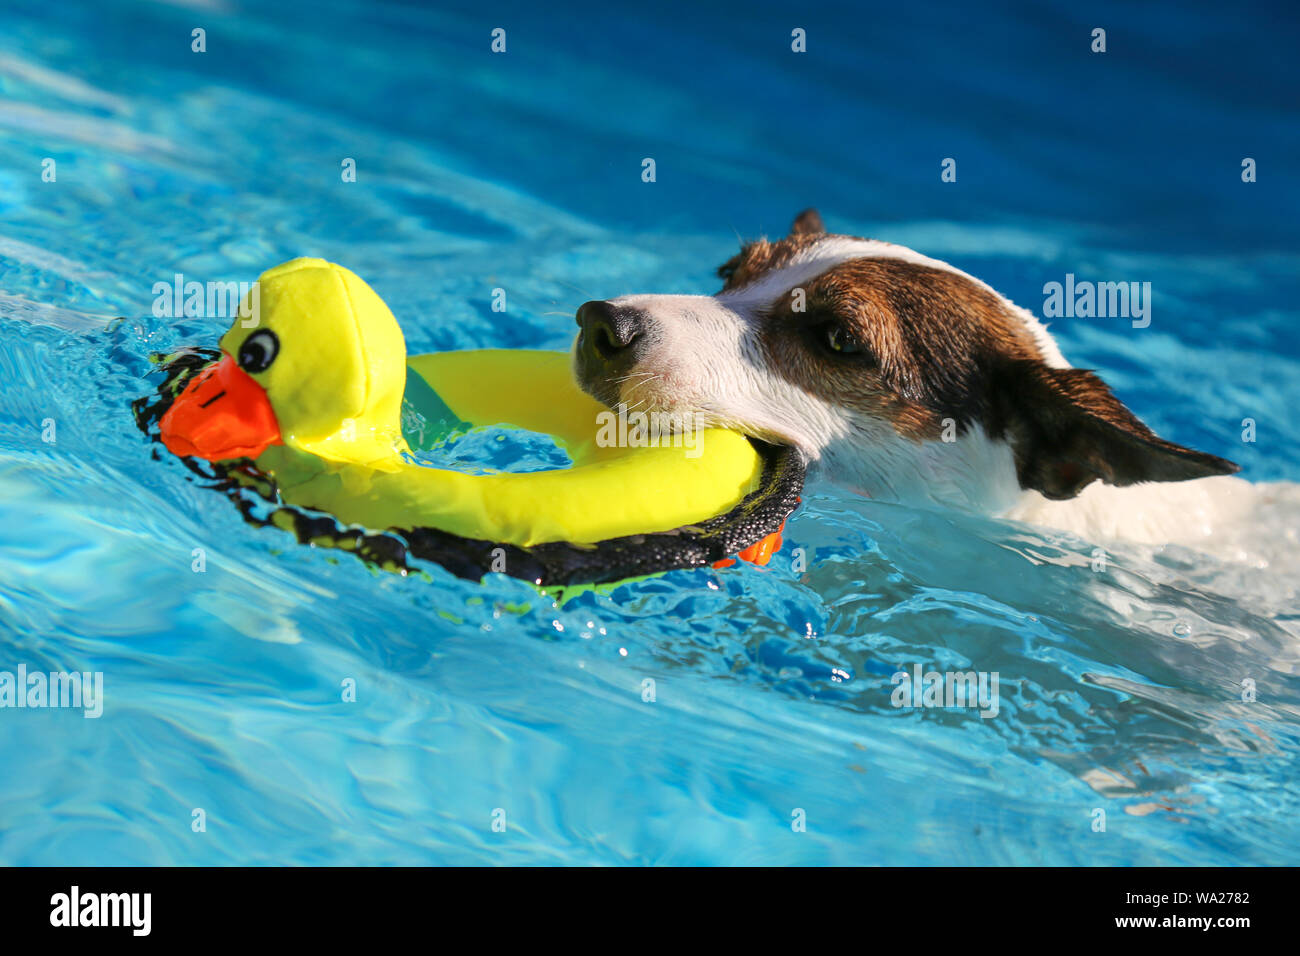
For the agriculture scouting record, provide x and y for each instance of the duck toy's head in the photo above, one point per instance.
(316, 361)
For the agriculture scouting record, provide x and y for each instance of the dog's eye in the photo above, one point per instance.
(839, 340)
(259, 351)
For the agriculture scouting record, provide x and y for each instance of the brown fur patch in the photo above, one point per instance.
(759, 257)
(1068, 429)
(808, 222)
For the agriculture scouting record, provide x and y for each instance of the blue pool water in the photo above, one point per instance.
(1120, 692)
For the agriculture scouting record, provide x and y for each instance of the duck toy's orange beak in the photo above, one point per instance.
(222, 414)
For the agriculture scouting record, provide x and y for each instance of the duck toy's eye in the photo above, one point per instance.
(259, 351)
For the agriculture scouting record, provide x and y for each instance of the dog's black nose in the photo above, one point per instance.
(609, 346)
(608, 330)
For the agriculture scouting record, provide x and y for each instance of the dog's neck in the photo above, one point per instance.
(971, 473)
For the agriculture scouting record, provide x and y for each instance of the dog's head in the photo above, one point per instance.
(861, 353)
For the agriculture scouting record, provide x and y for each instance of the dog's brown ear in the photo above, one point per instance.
(807, 223)
(1067, 430)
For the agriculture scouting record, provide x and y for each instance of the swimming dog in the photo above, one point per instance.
(905, 379)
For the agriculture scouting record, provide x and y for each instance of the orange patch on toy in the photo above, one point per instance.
(758, 553)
